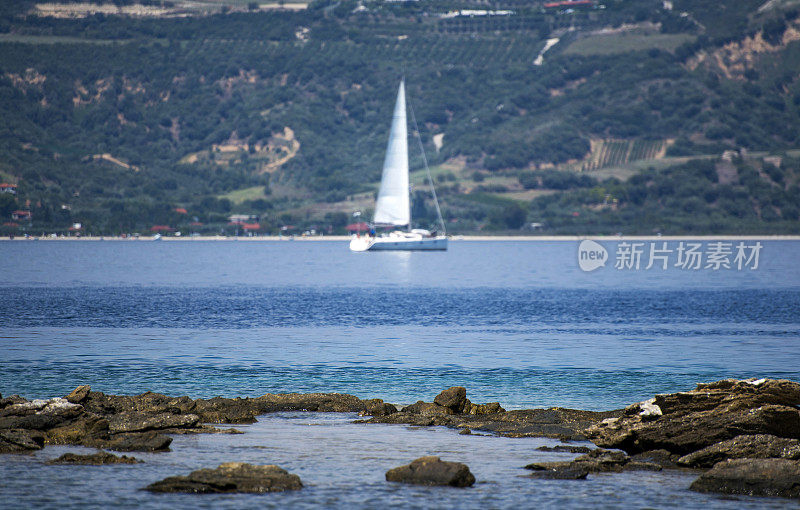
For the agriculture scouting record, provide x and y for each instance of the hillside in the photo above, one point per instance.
(598, 117)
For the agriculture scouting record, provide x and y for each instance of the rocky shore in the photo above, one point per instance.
(742, 437)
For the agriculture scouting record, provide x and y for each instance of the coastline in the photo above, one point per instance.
(456, 238)
(751, 448)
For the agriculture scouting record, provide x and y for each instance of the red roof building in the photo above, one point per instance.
(161, 228)
(251, 227)
(8, 188)
(569, 3)
(180, 210)
(21, 215)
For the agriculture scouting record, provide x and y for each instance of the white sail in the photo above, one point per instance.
(393, 207)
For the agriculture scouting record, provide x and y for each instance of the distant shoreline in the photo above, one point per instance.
(456, 238)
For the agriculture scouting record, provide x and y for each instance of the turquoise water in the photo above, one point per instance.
(514, 322)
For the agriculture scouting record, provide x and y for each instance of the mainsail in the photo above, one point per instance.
(392, 207)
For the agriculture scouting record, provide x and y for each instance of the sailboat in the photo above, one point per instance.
(393, 207)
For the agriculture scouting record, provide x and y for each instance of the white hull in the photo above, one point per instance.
(399, 242)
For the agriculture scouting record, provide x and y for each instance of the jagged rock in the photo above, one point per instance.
(20, 441)
(320, 402)
(85, 429)
(689, 421)
(79, 394)
(466, 431)
(565, 449)
(752, 477)
(488, 408)
(432, 471)
(134, 422)
(13, 399)
(145, 403)
(596, 461)
(427, 409)
(377, 407)
(663, 458)
(231, 477)
(95, 459)
(758, 446)
(137, 442)
(226, 410)
(453, 398)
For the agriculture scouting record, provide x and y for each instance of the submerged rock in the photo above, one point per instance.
(758, 446)
(689, 421)
(752, 477)
(596, 461)
(432, 471)
(95, 459)
(565, 449)
(231, 477)
(137, 442)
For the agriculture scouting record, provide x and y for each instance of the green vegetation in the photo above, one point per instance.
(115, 122)
(608, 44)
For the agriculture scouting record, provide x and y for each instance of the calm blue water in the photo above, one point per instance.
(514, 322)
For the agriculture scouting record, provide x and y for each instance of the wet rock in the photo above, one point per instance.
(20, 441)
(377, 407)
(453, 398)
(83, 430)
(231, 477)
(689, 421)
(432, 471)
(145, 403)
(13, 399)
(558, 473)
(426, 409)
(488, 408)
(559, 423)
(565, 449)
(663, 458)
(466, 431)
(137, 442)
(320, 402)
(226, 410)
(95, 459)
(752, 477)
(758, 446)
(596, 461)
(134, 422)
(79, 394)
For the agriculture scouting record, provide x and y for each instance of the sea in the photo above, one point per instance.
(588, 325)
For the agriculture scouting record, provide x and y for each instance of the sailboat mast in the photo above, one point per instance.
(427, 170)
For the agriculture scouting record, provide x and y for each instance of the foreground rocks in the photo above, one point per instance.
(432, 471)
(758, 446)
(95, 459)
(142, 422)
(231, 477)
(752, 477)
(686, 422)
(746, 431)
